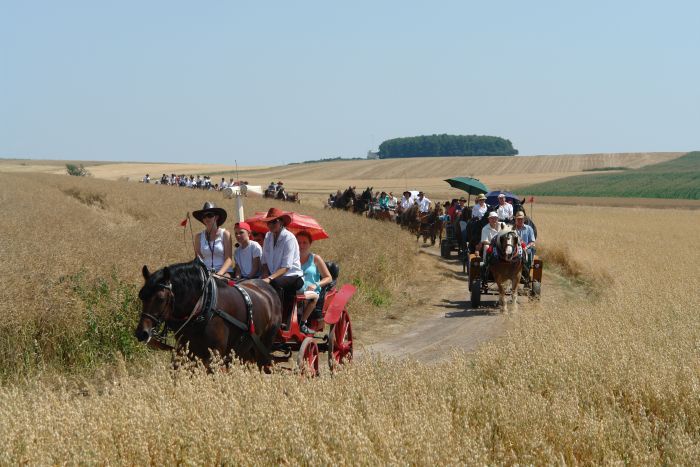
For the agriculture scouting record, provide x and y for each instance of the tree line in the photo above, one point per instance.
(446, 145)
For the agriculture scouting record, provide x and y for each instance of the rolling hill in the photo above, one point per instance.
(677, 178)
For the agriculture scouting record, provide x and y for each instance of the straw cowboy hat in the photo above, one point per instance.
(274, 214)
(520, 215)
(210, 207)
(481, 196)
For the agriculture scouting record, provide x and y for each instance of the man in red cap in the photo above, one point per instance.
(247, 255)
(281, 266)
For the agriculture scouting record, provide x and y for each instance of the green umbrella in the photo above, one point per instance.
(471, 185)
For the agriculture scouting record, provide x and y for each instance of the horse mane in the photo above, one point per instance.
(183, 276)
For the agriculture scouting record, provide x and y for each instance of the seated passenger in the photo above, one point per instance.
(213, 245)
(480, 207)
(280, 258)
(316, 276)
(247, 255)
(488, 232)
(527, 236)
(505, 209)
(383, 201)
(392, 201)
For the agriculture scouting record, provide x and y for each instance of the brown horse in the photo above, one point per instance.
(208, 314)
(410, 219)
(506, 265)
(430, 224)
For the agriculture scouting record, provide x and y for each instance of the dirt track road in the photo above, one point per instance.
(448, 321)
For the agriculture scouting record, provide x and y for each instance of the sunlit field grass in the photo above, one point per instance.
(612, 377)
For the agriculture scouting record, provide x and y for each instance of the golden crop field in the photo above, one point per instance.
(609, 375)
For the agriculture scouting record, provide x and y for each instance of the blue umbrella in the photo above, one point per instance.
(492, 197)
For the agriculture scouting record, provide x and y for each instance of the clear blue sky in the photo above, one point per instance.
(277, 82)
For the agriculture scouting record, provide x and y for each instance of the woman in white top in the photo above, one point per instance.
(480, 207)
(248, 253)
(213, 245)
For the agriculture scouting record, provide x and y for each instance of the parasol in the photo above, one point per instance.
(473, 186)
(299, 222)
(492, 197)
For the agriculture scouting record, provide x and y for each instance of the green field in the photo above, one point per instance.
(678, 178)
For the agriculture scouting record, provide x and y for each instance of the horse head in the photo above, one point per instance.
(508, 243)
(169, 293)
(157, 299)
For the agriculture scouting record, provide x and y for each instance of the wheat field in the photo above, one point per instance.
(612, 376)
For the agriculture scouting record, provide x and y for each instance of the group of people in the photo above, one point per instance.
(280, 258)
(191, 181)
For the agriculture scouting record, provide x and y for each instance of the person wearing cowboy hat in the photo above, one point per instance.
(281, 266)
(406, 202)
(248, 253)
(505, 209)
(213, 245)
(480, 207)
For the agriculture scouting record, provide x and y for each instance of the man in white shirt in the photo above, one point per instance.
(505, 209)
(489, 231)
(247, 255)
(423, 203)
(281, 266)
(406, 201)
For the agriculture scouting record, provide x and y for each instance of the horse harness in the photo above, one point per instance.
(206, 308)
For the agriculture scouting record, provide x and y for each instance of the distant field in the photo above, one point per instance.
(678, 178)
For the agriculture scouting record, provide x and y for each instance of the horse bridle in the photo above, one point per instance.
(164, 316)
(515, 246)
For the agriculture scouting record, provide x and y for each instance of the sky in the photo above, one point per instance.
(278, 81)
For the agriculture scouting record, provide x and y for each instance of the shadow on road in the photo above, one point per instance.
(464, 309)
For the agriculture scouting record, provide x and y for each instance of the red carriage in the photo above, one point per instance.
(330, 310)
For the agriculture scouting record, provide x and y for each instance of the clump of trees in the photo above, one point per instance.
(77, 171)
(446, 145)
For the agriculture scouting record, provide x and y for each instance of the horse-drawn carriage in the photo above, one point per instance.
(506, 260)
(330, 310)
(249, 319)
(207, 312)
(280, 193)
(451, 242)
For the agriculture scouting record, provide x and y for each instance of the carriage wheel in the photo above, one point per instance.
(535, 290)
(307, 358)
(476, 293)
(340, 341)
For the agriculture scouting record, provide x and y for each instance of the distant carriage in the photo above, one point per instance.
(529, 283)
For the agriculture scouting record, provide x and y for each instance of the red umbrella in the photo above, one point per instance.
(299, 222)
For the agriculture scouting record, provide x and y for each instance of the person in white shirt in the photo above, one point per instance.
(247, 255)
(489, 231)
(423, 203)
(392, 201)
(505, 209)
(406, 201)
(281, 266)
(480, 207)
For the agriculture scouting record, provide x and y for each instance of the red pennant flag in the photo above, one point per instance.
(184, 222)
(532, 199)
